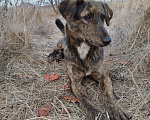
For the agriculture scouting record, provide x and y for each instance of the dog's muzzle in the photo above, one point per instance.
(106, 41)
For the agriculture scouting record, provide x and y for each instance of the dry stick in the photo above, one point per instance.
(11, 61)
(140, 61)
(20, 102)
(138, 90)
(34, 16)
(19, 109)
(64, 108)
(48, 118)
(56, 108)
(107, 115)
(143, 37)
(135, 38)
(16, 33)
(33, 70)
(38, 118)
(51, 1)
(30, 109)
(25, 27)
(20, 37)
(140, 104)
(148, 35)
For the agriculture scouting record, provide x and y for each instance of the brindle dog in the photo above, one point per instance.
(82, 47)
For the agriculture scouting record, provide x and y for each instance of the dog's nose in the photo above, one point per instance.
(106, 41)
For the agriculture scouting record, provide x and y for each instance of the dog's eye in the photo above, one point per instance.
(88, 17)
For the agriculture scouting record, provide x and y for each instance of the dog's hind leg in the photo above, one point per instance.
(58, 52)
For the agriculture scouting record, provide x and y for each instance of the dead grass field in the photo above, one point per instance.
(30, 34)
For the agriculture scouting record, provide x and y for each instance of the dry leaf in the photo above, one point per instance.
(44, 110)
(53, 77)
(70, 99)
(46, 77)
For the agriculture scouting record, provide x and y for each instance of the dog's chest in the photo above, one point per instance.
(83, 50)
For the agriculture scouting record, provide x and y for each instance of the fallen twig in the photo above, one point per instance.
(137, 88)
(20, 102)
(70, 118)
(140, 61)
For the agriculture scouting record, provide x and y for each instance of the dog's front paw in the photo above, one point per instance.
(115, 113)
(57, 55)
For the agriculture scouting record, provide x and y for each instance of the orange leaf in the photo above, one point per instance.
(53, 77)
(46, 77)
(44, 110)
(63, 111)
(70, 99)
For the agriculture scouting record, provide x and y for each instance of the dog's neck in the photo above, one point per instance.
(75, 41)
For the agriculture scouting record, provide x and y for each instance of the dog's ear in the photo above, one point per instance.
(64, 9)
(108, 13)
(67, 8)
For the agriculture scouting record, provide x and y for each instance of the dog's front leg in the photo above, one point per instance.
(76, 76)
(113, 110)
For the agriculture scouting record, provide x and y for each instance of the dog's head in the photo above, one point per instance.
(86, 19)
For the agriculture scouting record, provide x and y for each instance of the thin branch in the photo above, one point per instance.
(33, 70)
(20, 102)
(64, 108)
(34, 16)
(138, 90)
(140, 61)
(135, 37)
(14, 115)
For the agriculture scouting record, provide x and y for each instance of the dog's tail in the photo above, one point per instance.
(60, 25)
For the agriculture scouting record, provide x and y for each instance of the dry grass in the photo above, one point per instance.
(22, 86)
